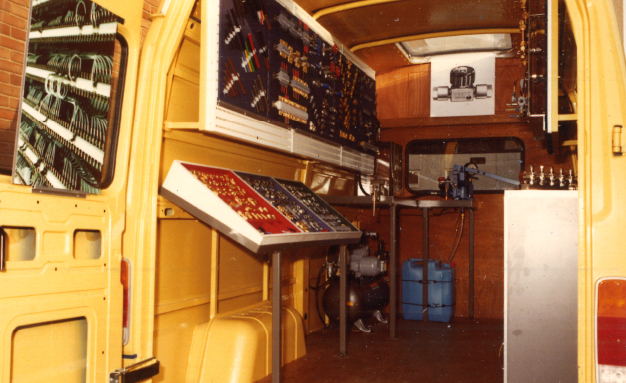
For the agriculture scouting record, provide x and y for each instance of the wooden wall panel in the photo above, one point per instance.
(383, 58)
(407, 103)
(391, 94)
(418, 91)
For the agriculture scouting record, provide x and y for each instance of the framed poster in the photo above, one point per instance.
(463, 85)
(63, 124)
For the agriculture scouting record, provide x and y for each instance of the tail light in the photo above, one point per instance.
(611, 331)
(125, 279)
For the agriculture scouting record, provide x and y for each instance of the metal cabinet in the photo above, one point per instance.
(540, 300)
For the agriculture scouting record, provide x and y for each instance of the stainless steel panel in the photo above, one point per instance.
(541, 255)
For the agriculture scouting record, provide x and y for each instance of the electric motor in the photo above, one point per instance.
(365, 297)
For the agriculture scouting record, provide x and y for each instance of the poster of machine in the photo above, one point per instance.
(463, 85)
(64, 114)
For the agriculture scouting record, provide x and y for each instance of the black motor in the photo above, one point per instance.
(366, 297)
(368, 287)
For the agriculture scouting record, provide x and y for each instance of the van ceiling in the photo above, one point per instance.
(388, 19)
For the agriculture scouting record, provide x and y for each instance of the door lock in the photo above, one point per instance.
(136, 372)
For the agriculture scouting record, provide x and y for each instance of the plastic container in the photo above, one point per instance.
(441, 286)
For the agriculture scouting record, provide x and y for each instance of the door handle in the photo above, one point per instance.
(3, 257)
(617, 140)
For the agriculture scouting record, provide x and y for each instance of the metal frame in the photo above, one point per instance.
(425, 192)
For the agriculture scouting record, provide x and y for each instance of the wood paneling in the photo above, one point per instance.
(383, 58)
(392, 89)
(407, 18)
(418, 91)
(404, 96)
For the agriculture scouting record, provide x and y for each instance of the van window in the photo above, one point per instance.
(429, 160)
(71, 99)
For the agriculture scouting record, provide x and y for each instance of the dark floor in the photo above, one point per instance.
(463, 351)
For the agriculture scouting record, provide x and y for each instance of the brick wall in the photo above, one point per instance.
(13, 20)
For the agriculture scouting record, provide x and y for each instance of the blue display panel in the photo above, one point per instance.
(275, 66)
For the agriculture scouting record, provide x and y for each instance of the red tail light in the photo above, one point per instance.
(611, 331)
(125, 279)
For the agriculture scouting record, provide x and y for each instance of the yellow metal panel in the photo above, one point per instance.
(50, 352)
(600, 106)
(87, 244)
(142, 163)
(20, 244)
(183, 261)
(172, 340)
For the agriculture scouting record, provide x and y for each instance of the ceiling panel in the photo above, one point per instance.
(383, 58)
(313, 6)
(411, 17)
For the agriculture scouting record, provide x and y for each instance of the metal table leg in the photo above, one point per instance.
(343, 287)
(276, 314)
(471, 262)
(393, 271)
(425, 264)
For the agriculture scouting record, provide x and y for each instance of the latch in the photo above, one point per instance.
(617, 140)
(136, 372)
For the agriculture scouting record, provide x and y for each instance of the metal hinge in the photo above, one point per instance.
(136, 372)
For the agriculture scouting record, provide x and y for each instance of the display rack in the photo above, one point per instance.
(247, 208)
(263, 214)
(64, 113)
(307, 95)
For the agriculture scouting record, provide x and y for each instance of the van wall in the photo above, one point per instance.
(185, 245)
(403, 107)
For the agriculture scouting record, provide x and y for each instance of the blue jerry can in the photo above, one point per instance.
(441, 286)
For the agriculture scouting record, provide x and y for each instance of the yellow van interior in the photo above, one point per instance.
(104, 283)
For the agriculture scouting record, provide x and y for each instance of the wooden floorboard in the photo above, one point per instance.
(463, 351)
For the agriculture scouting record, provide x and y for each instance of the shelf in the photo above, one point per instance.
(70, 138)
(75, 32)
(37, 3)
(244, 128)
(80, 84)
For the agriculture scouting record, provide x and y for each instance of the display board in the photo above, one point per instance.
(275, 66)
(63, 129)
(259, 212)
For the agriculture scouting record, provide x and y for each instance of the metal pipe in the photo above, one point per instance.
(471, 262)
(343, 292)
(266, 280)
(349, 6)
(393, 271)
(425, 264)
(276, 322)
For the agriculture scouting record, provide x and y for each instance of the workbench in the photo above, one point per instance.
(394, 204)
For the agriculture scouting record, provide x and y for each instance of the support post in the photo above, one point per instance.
(471, 262)
(393, 271)
(343, 292)
(215, 254)
(276, 313)
(425, 213)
